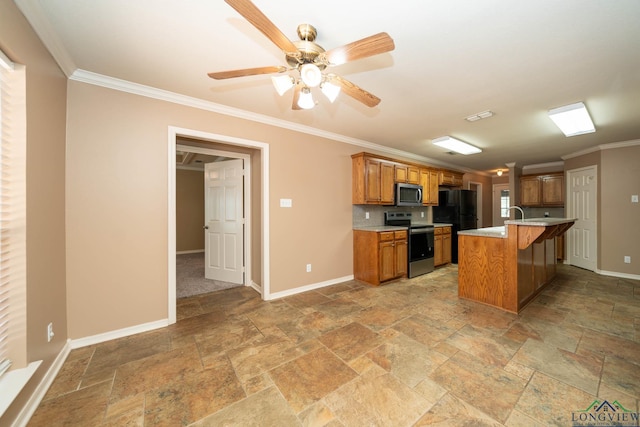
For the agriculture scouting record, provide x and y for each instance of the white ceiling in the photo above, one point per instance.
(453, 58)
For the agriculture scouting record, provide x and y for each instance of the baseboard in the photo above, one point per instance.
(617, 274)
(120, 333)
(311, 287)
(197, 251)
(256, 287)
(41, 390)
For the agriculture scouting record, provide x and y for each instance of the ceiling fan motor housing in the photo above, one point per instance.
(307, 48)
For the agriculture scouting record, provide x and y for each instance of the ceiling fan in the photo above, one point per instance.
(309, 59)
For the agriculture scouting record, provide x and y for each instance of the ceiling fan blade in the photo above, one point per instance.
(369, 46)
(246, 72)
(356, 92)
(296, 96)
(259, 20)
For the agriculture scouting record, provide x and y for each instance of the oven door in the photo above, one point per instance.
(421, 243)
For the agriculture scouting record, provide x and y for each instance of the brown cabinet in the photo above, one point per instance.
(429, 181)
(379, 256)
(372, 180)
(442, 246)
(542, 190)
(407, 174)
(450, 178)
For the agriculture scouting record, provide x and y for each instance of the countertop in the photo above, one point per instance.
(499, 232)
(539, 222)
(378, 228)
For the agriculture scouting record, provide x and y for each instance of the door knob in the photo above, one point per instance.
(206, 227)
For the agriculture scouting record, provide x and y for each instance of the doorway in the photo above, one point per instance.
(261, 283)
(582, 187)
(477, 187)
(501, 203)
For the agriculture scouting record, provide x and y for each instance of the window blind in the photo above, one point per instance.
(12, 216)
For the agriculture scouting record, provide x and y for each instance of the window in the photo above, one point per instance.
(12, 216)
(504, 204)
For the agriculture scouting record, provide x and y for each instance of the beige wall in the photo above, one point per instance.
(121, 265)
(619, 218)
(189, 210)
(46, 117)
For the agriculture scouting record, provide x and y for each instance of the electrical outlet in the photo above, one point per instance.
(634, 198)
(308, 268)
(286, 203)
(627, 259)
(50, 332)
(421, 214)
(366, 215)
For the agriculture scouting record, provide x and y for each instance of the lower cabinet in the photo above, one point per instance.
(379, 256)
(442, 246)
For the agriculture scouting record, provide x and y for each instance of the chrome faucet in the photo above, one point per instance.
(520, 209)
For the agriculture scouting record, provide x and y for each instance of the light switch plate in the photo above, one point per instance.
(286, 203)
(634, 198)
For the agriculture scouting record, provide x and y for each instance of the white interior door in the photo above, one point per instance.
(582, 242)
(224, 221)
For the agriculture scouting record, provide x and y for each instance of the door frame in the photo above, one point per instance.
(173, 133)
(570, 213)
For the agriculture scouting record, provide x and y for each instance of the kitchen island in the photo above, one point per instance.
(506, 267)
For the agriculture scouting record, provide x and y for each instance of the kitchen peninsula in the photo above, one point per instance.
(508, 266)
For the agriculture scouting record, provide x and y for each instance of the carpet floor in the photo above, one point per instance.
(190, 278)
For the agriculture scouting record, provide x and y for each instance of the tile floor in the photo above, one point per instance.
(406, 354)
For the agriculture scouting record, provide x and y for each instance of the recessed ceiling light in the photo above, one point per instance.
(455, 145)
(572, 119)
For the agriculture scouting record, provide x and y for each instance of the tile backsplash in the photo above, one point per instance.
(376, 214)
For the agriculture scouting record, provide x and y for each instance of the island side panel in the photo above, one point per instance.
(481, 269)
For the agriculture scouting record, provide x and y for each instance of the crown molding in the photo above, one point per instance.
(164, 95)
(543, 165)
(602, 147)
(32, 10)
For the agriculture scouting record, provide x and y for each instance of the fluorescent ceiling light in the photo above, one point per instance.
(456, 145)
(572, 119)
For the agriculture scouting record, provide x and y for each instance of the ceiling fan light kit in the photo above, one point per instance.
(310, 59)
(572, 119)
(456, 145)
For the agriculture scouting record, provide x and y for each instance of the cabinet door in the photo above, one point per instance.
(387, 183)
(530, 191)
(446, 248)
(553, 190)
(402, 251)
(433, 187)
(437, 250)
(413, 175)
(400, 173)
(372, 181)
(387, 261)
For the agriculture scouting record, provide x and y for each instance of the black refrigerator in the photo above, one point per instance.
(459, 208)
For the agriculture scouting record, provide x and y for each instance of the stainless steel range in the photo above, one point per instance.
(421, 242)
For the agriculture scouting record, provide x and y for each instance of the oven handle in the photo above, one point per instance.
(425, 230)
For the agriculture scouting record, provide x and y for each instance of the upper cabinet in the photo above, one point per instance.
(374, 177)
(372, 180)
(450, 178)
(542, 190)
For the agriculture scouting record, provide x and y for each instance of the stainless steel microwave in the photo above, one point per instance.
(408, 195)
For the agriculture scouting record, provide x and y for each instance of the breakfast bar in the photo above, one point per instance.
(506, 267)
